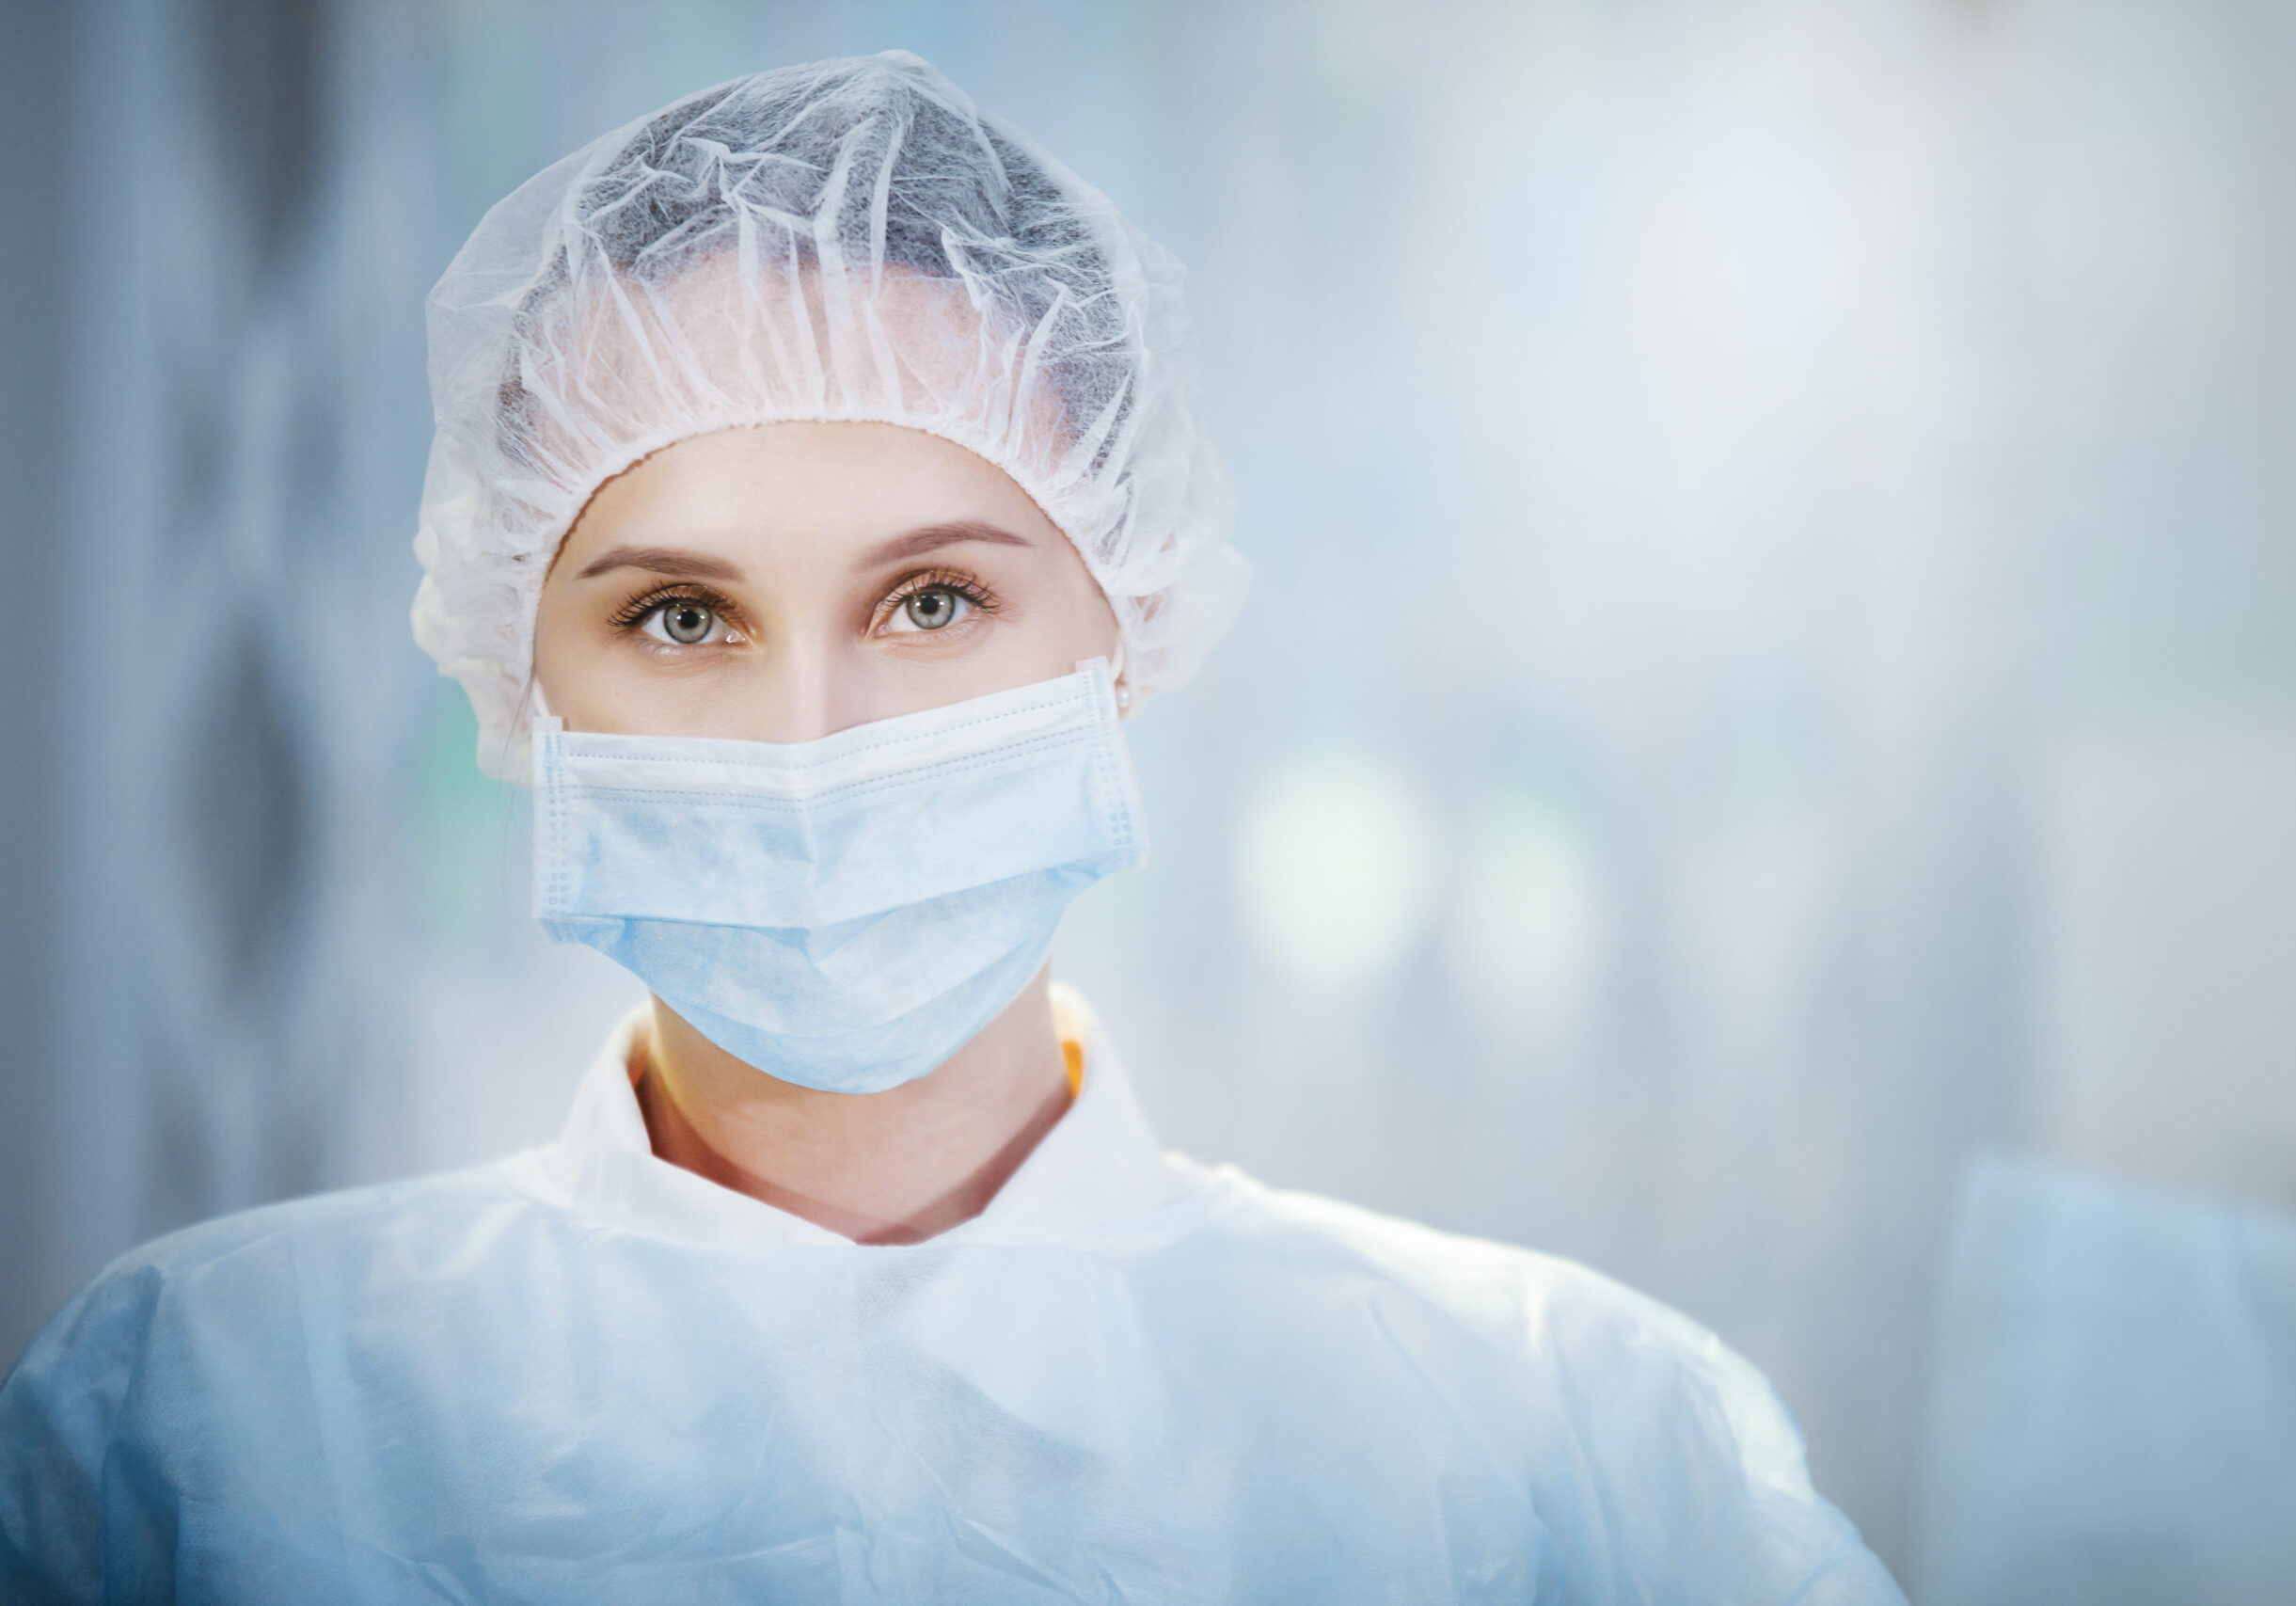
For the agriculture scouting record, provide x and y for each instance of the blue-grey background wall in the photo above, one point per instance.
(1772, 674)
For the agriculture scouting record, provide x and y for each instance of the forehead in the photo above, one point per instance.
(832, 485)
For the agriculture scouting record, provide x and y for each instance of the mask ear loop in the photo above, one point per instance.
(1115, 674)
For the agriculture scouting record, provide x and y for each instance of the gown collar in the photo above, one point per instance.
(1098, 1168)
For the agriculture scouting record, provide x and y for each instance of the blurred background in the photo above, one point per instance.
(1761, 756)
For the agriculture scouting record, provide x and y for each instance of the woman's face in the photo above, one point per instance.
(785, 582)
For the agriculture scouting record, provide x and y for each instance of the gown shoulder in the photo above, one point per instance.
(1674, 1452)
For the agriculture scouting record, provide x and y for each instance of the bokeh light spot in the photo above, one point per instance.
(1337, 866)
(1531, 932)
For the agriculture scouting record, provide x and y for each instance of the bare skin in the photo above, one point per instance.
(780, 584)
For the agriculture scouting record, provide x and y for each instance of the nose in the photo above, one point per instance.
(797, 699)
(814, 685)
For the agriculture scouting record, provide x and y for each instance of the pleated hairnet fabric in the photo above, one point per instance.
(850, 240)
(584, 1375)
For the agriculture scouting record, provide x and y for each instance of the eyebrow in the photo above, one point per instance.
(702, 566)
(932, 537)
(661, 560)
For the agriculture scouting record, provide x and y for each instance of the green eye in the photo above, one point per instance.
(688, 624)
(932, 608)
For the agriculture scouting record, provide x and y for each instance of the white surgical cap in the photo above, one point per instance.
(849, 240)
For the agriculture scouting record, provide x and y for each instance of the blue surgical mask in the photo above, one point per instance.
(843, 913)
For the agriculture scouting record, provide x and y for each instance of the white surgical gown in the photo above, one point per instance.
(582, 1374)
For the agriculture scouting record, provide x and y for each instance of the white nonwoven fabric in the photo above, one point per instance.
(849, 240)
(584, 1374)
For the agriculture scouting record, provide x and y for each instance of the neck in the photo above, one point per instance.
(890, 1168)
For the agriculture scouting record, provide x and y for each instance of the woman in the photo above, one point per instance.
(814, 494)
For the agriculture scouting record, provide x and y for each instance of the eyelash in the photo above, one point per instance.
(964, 585)
(633, 615)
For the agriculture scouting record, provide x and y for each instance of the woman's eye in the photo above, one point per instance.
(931, 608)
(684, 624)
